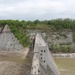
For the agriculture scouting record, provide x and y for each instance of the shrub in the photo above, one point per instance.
(74, 37)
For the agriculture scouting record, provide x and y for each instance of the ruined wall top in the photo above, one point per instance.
(39, 40)
(43, 63)
(6, 29)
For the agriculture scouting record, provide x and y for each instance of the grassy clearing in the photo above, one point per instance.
(12, 59)
(15, 59)
(66, 66)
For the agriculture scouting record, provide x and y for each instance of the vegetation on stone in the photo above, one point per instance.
(74, 37)
(19, 28)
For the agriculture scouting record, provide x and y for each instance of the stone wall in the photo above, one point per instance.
(8, 42)
(43, 63)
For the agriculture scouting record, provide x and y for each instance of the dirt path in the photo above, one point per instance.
(12, 68)
(15, 63)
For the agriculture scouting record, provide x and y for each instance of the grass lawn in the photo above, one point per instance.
(66, 66)
(15, 59)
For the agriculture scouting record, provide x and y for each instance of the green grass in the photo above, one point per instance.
(15, 59)
(66, 66)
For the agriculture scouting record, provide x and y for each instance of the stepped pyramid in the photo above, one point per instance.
(8, 42)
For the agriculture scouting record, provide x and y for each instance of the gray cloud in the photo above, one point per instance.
(36, 9)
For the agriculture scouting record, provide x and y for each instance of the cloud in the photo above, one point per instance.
(36, 9)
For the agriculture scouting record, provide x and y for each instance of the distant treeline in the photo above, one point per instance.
(55, 24)
(19, 27)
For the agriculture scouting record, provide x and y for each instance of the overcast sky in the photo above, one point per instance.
(37, 9)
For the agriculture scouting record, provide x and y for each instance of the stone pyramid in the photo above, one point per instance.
(8, 42)
(6, 29)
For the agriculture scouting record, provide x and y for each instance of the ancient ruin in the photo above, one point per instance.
(43, 63)
(8, 41)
